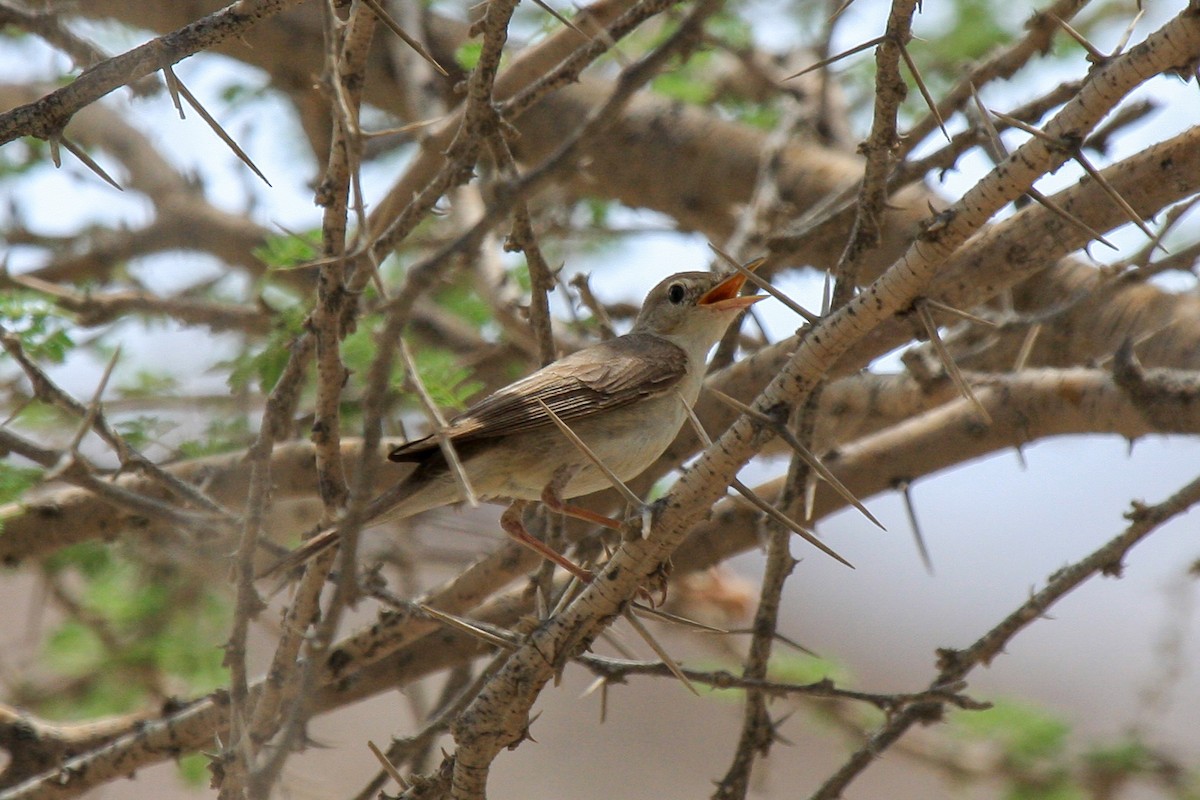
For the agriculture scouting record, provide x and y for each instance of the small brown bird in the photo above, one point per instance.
(621, 397)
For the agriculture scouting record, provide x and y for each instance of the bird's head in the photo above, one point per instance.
(693, 309)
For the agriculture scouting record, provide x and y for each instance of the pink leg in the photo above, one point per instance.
(552, 499)
(512, 524)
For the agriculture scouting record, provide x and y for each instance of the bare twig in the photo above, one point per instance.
(439, 426)
(955, 665)
(47, 117)
(949, 363)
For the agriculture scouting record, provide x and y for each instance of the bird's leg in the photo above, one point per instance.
(552, 499)
(514, 526)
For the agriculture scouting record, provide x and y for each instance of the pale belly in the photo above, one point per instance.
(626, 440)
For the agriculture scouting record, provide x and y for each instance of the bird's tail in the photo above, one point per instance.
(398, 502)
(310, 549)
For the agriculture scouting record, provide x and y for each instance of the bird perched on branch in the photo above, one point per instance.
(623, 399)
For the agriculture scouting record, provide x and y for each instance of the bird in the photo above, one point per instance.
(624, 398)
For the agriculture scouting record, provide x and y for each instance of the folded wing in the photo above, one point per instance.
(604, 376)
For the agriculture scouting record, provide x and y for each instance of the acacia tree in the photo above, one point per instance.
(146, 507)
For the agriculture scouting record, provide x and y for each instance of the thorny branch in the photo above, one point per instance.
(879, 148)
(497, 719)
(955, 665)
(47, 117)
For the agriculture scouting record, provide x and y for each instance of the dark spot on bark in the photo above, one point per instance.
(1018, 254)
(172, 705)
(338, 660)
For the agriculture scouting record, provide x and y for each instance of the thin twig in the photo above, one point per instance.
(910, 510)
(955, 665)
(83, 156)
(825, 62)
(671, 665)
(395, 28)
(758, 280)
(212, 123)
(809, 457)
(924, 90)
(949, 363)
(582, 446)
(762, 505)
(439, 426)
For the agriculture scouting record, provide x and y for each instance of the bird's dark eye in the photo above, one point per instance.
(675, 293)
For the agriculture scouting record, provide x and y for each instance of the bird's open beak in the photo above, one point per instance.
(725, 294)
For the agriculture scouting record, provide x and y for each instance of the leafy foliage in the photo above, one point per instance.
(258, 368)
(15, 481)
(467, 55)
(40, 325)
(221, 435)
(1027, 733)
(137, 632)
(288, 250)
(149, 383)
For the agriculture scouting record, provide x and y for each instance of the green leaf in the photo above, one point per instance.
(221, 435)
(731, 27)
(468, 54)
(464, 303)
(39, 324)
(148, 383)
(598, 211)
(43, 416)
(187, 648)
(448, 382)
(289, 250)
(1125, 758)
(193, 770)
(90, 558)
(687, 86)
(1055, 789)
(796, 668)
(22, 156)
(15, 481)
(265, 365)
(136, 625)
(800, 668)
(105, 694)
(763, 116)
(73, 649)
(978, 28)
(358, 348)
(1027, 732)
(144, 429)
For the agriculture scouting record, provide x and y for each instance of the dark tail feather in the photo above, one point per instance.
(318, 544)
(377, 510)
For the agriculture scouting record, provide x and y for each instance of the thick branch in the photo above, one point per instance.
(46, 118)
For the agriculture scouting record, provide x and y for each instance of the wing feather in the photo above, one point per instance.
(604, 376)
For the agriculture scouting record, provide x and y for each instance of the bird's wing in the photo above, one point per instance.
(604, 376)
